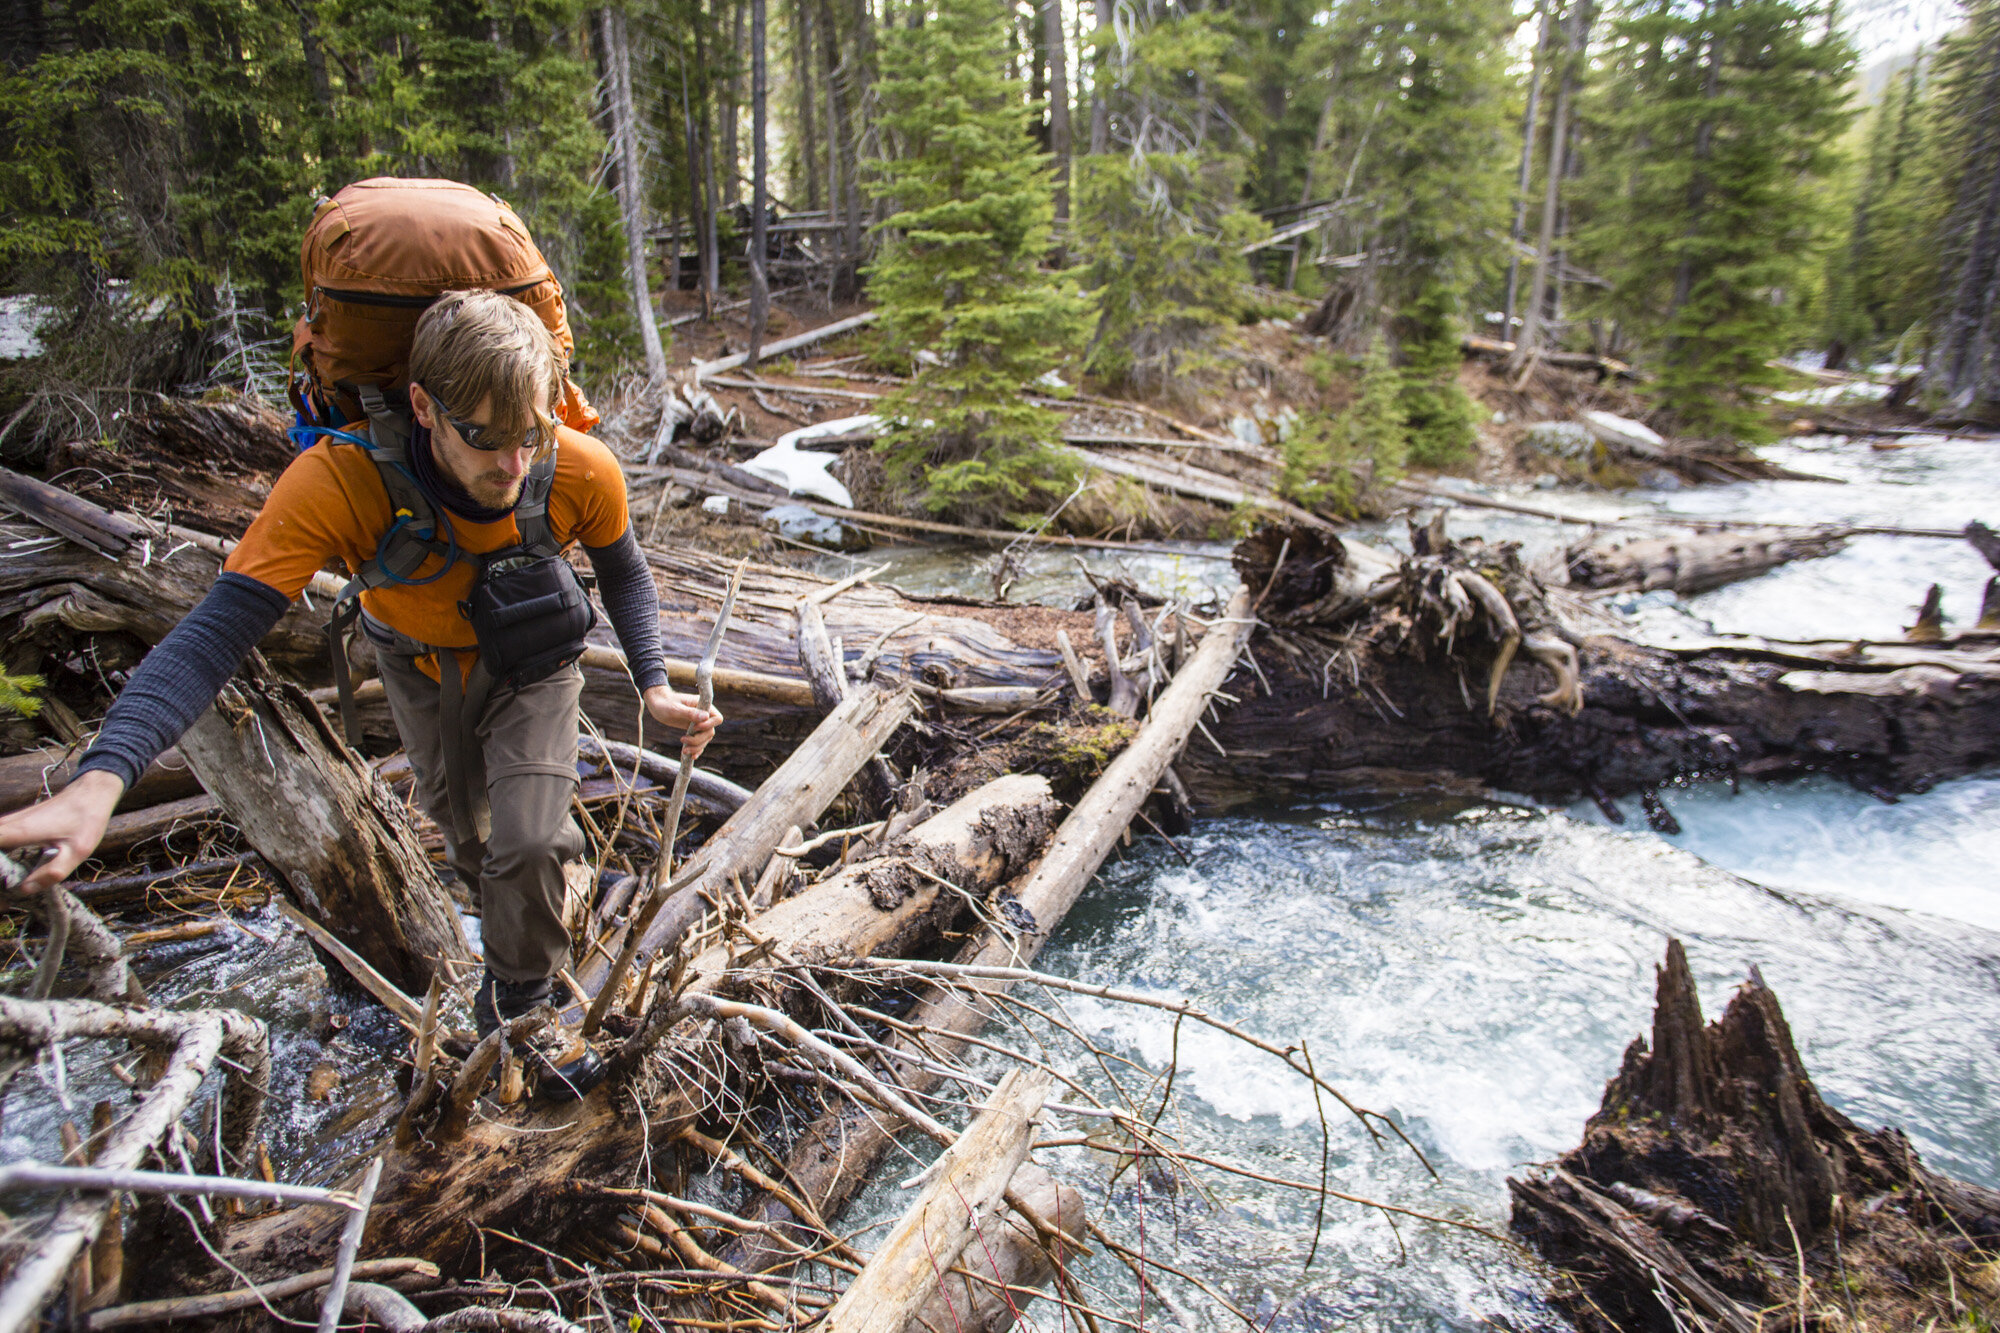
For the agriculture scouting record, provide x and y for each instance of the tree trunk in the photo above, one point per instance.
(704, 222)
(760, 286)
(732, 107)
(1704, 133)
(316, 813)
(1526, 176)
(1575, 34)
(631, 184)
(802, 74)
(1059, 139)
(1100, 91)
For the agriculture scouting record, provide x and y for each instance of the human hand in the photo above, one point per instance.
(684, 711)
(71, 824)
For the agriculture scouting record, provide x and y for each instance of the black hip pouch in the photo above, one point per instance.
(530, 615)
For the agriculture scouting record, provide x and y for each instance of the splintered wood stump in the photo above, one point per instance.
(348, 855)
(1691, 562)
(1715, 1182)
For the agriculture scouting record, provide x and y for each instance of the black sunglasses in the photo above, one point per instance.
(486, 439)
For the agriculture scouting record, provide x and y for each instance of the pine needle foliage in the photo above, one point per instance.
(160, 160)
(17, 694)
(1159, 234)
(960, 274)
(1418, 121)
(1333, 462)
(1715, 128)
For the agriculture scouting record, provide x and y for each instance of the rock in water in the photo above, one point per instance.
(1634, 437)
(1560, 439)
(808, 525)
(1714, 1184)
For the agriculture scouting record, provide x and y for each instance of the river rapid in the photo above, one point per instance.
(1472, 968)
(1475, 969)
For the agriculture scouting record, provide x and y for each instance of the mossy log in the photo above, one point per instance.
(1715, 1182)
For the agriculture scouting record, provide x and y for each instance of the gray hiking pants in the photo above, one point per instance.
(527, 738)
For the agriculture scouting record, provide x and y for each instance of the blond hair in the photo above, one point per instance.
(483, 346)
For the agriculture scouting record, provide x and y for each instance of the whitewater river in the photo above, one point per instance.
(1476, 968)
(1473, 969)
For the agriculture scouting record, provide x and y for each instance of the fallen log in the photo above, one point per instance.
(703, 369)
(1690, 563)
(40, 774)
(987, 1292)
(833, 1159)
(963, 1197)
(1715, 1183)
(1363, 684)
(795, 795)
(888, 903)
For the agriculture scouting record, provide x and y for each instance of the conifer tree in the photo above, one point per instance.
(1158, 220)
(1418, 118)
(959, 278)
(1713, 132)
(1335, 461)
(1962, 370)
(1880, 281)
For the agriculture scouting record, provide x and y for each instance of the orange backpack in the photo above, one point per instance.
(374, 259)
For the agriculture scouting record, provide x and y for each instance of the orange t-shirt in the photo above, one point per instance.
(331, 504)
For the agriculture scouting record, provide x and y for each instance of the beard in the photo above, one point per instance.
(489, 487)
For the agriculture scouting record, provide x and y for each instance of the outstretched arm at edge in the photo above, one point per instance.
(165, 694)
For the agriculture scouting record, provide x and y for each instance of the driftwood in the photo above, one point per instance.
(194, 1041)
(1691, 563)
(835, 1156)
(317, 814)
(963, 1198)
(1714, 1184)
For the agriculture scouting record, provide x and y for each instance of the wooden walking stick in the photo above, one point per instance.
(662, 878)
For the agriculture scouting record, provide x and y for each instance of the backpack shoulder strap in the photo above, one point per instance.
(412, 536)
(411, 539)
(531, 514)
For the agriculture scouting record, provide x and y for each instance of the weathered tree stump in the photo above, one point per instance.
(317, 813)
(1715, 1182)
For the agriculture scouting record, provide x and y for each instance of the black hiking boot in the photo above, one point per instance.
(566, 1069)
(504, 1001)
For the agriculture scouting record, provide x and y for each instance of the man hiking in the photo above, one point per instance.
(476, 618)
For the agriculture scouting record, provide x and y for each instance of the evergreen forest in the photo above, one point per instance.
(1039, 191)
